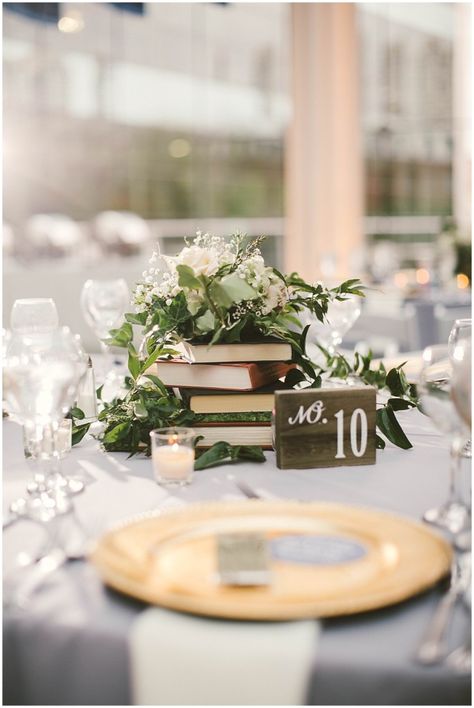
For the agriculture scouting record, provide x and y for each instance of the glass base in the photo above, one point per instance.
(451, 516)
(41, 506)
(57, 484)
(463, 541)
(460, 660)
(174, 482)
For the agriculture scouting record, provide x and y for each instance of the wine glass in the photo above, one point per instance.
(461, 348)
(459, 338)
(436, 395)
(41, 376)
(340, 317)
(34, 315)
(103, 304)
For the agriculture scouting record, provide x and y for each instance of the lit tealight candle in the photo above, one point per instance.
(173, 456)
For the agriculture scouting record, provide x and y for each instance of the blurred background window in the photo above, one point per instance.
(171, 111)
(407, 112)
(131, 123)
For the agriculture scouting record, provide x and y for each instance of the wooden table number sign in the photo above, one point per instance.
(325, 427)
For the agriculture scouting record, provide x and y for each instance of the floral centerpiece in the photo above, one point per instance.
(219, 291)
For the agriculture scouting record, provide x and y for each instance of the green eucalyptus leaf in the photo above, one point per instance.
(390, 427)
(400, 404)
(117, 432)
(77, 413)
(78, 432)
(187, 278)
(222, 453)
(133, 361)
(232, 289)
(121, 337)
(137, 318)
(396, 381)
(252, 453)
(294, 377)
(150, 360)
(316, 382)
(207, 322)
(140, 410)
(158, 382)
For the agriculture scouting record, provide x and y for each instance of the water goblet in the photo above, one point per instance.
(459, 338)
(103, 304)
(41, 378)
(435, 387)
(340, 317)
(34, 315)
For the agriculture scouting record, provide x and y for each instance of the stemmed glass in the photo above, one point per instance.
(103, 304)
(459, 337)
(41, 377)
(436, 395)
(341, 316)
(34, 316)
(460, 350)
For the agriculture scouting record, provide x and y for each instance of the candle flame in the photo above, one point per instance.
(422, 276)
(462, 281)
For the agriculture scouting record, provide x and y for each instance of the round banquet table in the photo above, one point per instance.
(71, 645)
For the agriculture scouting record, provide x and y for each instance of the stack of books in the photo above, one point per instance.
(230, 388)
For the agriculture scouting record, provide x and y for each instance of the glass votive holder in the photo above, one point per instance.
(172, 453)
(38, 444)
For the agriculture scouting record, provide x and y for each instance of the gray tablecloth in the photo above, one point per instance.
(71, 645)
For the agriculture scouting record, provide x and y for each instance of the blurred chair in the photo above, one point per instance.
(445, 317)
(385, 260)
(53, 235)
(121, 232)
(387, 333)
(388, 301)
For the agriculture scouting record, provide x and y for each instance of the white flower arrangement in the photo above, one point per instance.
(218, 290)
(222, 282)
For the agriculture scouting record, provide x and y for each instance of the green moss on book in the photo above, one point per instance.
(247, 417)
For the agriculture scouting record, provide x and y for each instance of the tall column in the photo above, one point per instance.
(462, 116)
(324, 194)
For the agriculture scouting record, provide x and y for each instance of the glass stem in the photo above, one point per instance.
(39, 475)
(108, 359)
(455, 491)
(54, 471)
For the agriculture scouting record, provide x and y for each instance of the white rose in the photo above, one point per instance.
(203, 261)
(274, 297)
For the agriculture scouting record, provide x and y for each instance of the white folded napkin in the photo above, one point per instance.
(179, 659)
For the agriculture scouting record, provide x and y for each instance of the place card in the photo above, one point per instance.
(317, 550)
(325, 427)
(243, 559)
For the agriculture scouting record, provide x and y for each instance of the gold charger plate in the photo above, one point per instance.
(169, 559)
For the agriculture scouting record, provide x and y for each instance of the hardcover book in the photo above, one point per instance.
(263, 350)
(212, 401)
(234, 377)
(235, 434)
